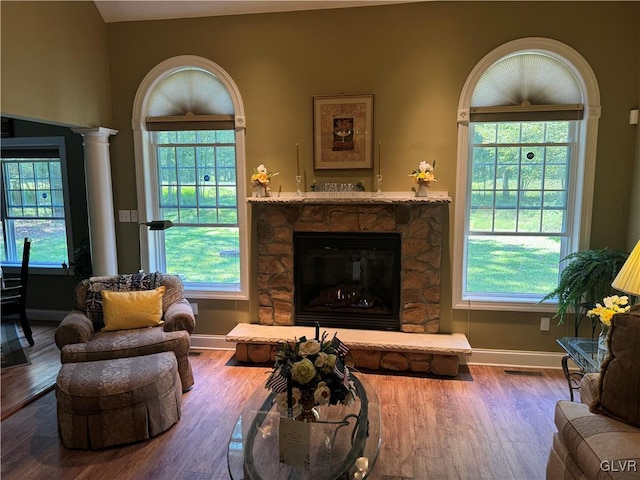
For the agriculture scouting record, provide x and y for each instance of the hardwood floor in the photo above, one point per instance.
(21, 384)
(484, 425)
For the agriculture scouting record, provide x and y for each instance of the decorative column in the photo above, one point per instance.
(102, 229)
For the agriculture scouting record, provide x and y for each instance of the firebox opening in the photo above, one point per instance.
(347, 280)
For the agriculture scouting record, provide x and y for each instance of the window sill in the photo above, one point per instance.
(14, 270)
(498, 306)
(195, 292)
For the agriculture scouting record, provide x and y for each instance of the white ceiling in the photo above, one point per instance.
(132, 10)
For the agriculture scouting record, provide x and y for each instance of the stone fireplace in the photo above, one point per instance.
(418, 221)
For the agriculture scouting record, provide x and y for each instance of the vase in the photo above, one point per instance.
(603, 349)
(423, 189)
(309, 413)
(261, 191)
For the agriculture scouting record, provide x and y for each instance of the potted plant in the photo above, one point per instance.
(82, 260)
(586, 280)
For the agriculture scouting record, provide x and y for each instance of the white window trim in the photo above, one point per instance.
(584, 175)
(60, 144)
(146, 177)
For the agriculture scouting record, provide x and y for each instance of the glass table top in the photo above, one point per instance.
(342, 435)
(584, 352)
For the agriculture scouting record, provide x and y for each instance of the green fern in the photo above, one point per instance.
(585, 281)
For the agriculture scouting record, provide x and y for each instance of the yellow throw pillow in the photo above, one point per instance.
(128, 310)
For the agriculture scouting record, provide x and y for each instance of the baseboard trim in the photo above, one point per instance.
(515, 358)
(501, 358)
(211, 342)
(46, 315)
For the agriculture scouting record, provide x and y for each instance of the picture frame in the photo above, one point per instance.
(342, 132)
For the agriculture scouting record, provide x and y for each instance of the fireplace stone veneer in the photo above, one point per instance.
(419, 221)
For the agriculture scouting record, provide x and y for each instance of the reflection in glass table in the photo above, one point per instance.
(585, 354)
(344, 438)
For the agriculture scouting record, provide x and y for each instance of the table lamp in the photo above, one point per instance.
(158, 224)
(628, 279)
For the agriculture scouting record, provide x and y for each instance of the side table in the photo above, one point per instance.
(584, 353)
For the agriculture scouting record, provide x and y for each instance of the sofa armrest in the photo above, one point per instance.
(179, 316)
(74, 328)
(589, 388)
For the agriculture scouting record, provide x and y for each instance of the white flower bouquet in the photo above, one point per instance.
(309, 373)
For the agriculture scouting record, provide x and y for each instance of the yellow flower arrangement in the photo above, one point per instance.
(612, 305)
(424, 173)
(261, 177)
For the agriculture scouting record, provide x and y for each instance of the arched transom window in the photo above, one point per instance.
(527, 124)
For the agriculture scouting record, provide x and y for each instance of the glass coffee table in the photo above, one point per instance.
(585, 354)
(343, 441)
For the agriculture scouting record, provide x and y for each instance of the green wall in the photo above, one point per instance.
(55, 63)
(415, 59)
(634, 218)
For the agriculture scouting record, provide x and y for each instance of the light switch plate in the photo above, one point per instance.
(544, 324)
(124, 216)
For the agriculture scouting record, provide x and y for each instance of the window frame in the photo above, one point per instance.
(564, 234)
(152, 249)
(38, 143)
(154, 151)
(582, 172)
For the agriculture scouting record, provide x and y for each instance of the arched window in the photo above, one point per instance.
(527, 125)
(188, 122)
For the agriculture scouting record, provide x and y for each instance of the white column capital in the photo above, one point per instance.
(95, 131)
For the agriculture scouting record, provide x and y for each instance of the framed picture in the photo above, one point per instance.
(343, 132)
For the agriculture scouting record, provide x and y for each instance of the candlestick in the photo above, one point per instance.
(379, 192)
(379, 158)
(297, 160)
(298, 192)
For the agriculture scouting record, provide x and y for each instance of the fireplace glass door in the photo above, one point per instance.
(347, 280)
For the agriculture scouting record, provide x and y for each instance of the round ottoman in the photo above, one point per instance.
(113, 402)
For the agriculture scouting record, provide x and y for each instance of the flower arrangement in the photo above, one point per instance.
(424, 173)
(612, 305)
(308, 373)
(261, 177)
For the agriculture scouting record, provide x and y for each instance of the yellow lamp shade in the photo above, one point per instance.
(628, 279)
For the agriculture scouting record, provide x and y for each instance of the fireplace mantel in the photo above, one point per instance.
(393, 198)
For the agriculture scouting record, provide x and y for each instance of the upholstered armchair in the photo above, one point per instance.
(599, 438)
(89, 333)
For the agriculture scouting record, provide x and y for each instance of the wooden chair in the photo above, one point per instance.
(14, 294)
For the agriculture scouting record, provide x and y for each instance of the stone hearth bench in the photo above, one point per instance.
(437, 354)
